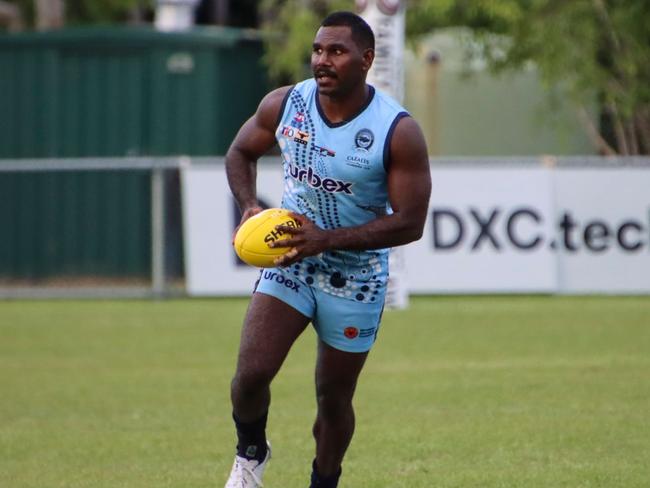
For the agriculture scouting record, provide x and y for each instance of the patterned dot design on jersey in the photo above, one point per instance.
(334, 283)
(305, 156)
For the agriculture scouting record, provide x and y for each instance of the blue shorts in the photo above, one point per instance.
(344, 324)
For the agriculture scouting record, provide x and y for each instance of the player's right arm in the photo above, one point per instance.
(253, 140)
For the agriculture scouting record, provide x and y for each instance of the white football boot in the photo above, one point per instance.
(247, 473)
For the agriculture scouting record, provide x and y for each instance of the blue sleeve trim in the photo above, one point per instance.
(389, 137)
(284, 105)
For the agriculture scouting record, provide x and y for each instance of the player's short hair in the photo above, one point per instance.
(361, 31)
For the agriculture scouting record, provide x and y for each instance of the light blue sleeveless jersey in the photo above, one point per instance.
(335, 174)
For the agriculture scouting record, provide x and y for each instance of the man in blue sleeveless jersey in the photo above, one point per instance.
(356, 174)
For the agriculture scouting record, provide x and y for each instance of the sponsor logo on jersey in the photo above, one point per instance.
(323, 151)
(297, 120)
(363, 139)
(299, 136)
(281, 280)
(358, 162)
(311, 178)
(352, 332)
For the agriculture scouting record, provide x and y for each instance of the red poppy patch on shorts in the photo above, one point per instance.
(351, 332)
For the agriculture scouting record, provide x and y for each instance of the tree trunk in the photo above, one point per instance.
(619, 129)
(642, 123)
(222, 12)
(596, 138)
(50, 14)
(633, 142)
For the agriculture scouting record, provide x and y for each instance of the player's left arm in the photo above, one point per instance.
(409, 189)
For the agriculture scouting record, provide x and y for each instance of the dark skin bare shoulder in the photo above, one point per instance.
(255, 138)
(257, 135)
(409, 178)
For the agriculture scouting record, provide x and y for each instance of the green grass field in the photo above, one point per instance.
(481, 392)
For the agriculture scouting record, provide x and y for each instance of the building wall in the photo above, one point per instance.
(466, 110)
(110, 92)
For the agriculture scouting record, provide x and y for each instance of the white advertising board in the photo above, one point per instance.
(209, 217)
(488, 230)
(603, 227)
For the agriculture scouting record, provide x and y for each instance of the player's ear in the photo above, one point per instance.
(368, 58)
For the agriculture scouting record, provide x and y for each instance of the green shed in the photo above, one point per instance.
(103, 92)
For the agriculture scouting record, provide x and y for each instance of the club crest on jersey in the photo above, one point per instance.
(316, 181)
(364, 139)
(299, 136)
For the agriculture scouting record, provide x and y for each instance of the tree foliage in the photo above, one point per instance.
(290, 26)
(597, 49)
(87, 11)
(104, 11)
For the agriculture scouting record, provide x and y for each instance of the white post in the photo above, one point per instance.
(175, 15)
(158, 231)
(386, 18)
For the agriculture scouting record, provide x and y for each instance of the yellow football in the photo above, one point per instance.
(253, 237)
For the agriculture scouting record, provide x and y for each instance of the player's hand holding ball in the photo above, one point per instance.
(306, 239)
(258, 232)
(277, 237)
